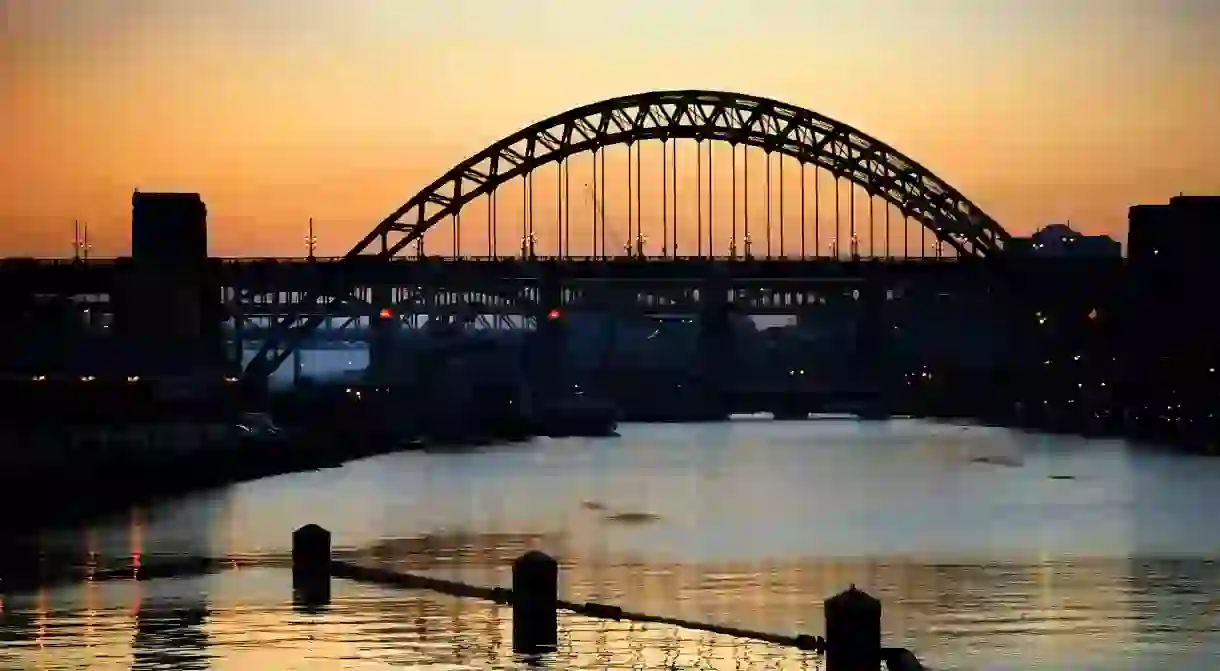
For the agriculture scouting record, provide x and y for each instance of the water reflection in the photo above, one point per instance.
(17, 627)
(1061, 614)
(1052, 609)
(366, 627)
(983, 556)
(170, 637)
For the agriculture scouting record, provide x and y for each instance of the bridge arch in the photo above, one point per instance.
(738, 119)
(774, 126)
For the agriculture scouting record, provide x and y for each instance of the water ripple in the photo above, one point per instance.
(751, 525)
(154, 625)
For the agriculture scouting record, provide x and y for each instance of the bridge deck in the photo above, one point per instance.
(300, 274)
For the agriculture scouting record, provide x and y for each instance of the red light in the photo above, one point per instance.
(386, 313)
(554, 314)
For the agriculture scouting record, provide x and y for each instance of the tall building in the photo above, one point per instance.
(1178, 237)
(168, 229)
(1061, 240)
(171, 313)
(1167, 327)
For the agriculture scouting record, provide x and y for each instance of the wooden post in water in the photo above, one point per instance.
(901, 659)
(853, 631)
(535, 598)
(311, 566)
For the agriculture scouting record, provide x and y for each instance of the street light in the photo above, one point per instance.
(527, 245)
(80, 241)
(311, 241)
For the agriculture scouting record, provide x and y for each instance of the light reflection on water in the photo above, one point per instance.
(240, 621)
(979, 565)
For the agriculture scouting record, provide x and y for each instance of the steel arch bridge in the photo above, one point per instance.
(805, 136)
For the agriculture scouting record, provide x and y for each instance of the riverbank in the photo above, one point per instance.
(495, 415)
(87, 472)
(1163, 432)
(98, 447)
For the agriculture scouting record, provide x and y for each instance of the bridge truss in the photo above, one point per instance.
(788, 133)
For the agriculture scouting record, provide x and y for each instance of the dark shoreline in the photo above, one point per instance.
(1161, 436)
(99, 445)
(90, 467)
(91, 481)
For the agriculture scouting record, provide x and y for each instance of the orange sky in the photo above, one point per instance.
(280, 110)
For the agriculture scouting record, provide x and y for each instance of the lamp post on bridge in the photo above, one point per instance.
(311, 241)
(748, 243)
(640, 241)
(80, 241)
(527, 246)
(833, 247)
(855, 247)
(732, 249)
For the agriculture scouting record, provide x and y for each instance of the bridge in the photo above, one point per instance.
(871, 187)
(879, 198)
(694, 203)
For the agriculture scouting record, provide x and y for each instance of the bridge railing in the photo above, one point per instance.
(595, 259)
(102, 262)
(64, 262)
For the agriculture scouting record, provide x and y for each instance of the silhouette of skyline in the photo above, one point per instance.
(1039, 113)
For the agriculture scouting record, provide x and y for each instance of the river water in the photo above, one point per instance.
(990, 549)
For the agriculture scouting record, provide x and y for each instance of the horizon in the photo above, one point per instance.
(1038, 112)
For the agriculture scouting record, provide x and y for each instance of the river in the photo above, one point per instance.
(990, 550)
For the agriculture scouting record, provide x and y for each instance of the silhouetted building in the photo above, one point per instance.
(168, 229)
(1170, 337)
(1177, 237)
(170, 312)
(1060, 240)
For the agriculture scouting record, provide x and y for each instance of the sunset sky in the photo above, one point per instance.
(281, 110)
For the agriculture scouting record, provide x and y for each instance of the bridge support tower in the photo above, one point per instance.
(717, 355)
(549, 350)
(384, 327)
(239, 330)
(871, 350)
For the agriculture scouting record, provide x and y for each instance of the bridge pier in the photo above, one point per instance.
(383, 334)
(550, 345)
(871, 336)
(239, 330)
(297, 366)
(717, 356)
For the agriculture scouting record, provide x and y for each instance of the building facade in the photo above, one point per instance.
(1061, 240)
